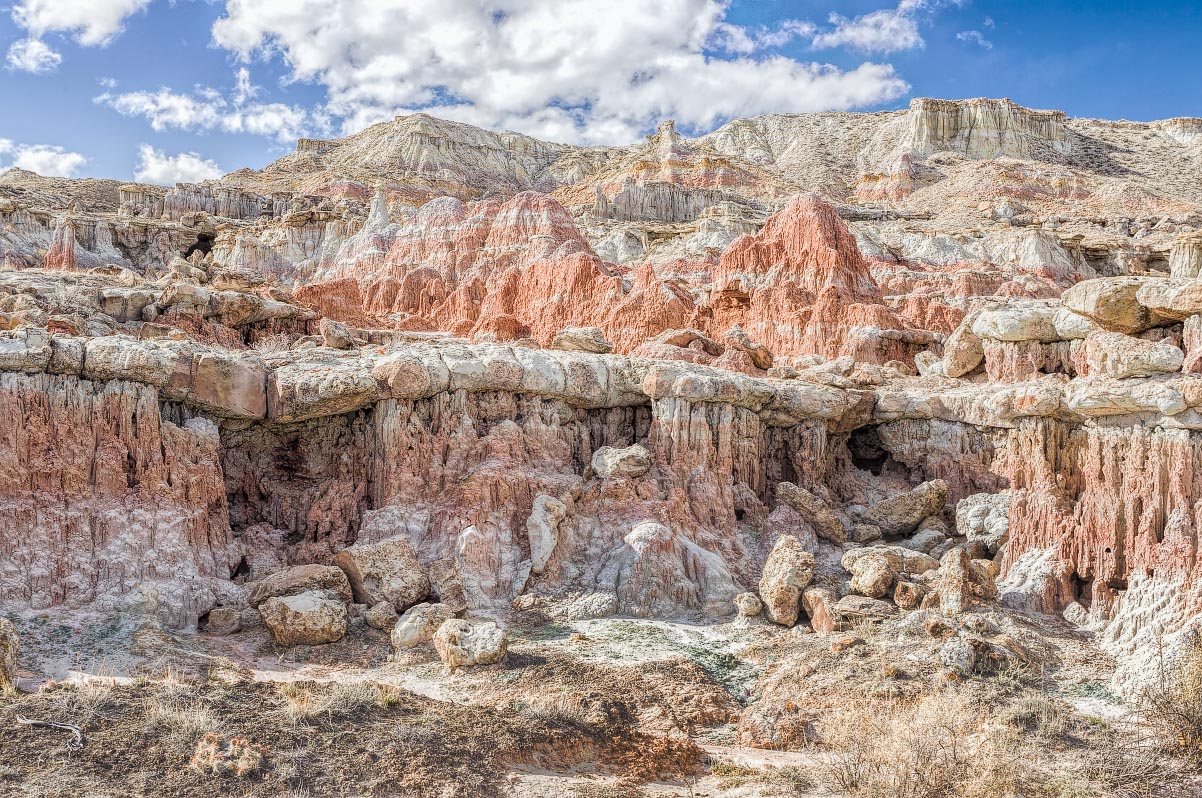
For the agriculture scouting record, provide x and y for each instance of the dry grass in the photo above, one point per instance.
(303, 702)
(276, 342)
(1172, 703)
(935, 747)
(184, 721)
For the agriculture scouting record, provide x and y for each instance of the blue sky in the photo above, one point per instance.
(187, 89)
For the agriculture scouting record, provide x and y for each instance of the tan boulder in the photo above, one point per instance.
(788, 571)
(819, 605)
(902, 514)
(306, 619)
(461, 643)
(381, 616)
(418, 624)
(1120, 356)
(963, 350)
(581, 339)
(1113, 303)
(630, 462)
(384, 571)
(324, 579)
(1174, 299)
(816, 512)
(872, 576)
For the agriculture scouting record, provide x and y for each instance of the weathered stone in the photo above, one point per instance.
(748, 605)
(384, 571)
(582, 339)
(461, 643)
(224, 621)
(629, 462)
(418, 624)
(816, 512)
(381, 616)
(541, 529)
(902, 514)
(324, 579)
(305, 619)
(1120, 356)
(1112, 302)
(788, 571)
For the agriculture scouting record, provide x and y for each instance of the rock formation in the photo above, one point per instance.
(428, 379)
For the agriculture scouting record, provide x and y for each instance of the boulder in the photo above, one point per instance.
(306, 619)
(738, 340)
(336, 335)
(856, 608)
(787, 572)
(223, 621)
(963, 350)
(908, 595)
(872, 576)
(542, 529)
(1172, 299)
(1112, 302)
(898, 559)
(384, 571)
(581, 339)
(1120, 356)
(1017, 323)
(325, 579)
(902, 514)
(418, 624)
(819, 604)
(630, 462)
(816, 512)
(381, 616)
(461, 643)
(9, 648)
(748, 605)
(985, 517)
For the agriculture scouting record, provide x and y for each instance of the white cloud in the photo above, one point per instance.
(573, 70)
(93, 22)
(45, 159)
(209, 109)
(32, 55)
(155, 166)
(976, 37)
(885, 31)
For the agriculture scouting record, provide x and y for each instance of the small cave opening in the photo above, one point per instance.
(241, 569)
(867, 452)
(203, 244)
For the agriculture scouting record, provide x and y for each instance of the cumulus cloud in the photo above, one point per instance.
(207, 108)
(45, 159)
(156, 166)
(574, 70)
(92, 22)
(975, 37)
(32, 55)
(885, 31)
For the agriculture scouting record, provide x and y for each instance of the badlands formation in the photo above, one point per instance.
(436, 461)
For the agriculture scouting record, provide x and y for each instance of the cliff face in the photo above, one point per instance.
(102, 494)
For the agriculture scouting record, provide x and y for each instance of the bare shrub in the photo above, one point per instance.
(302, 702)
(1172, 702)
(276, 342)
(184, 721)
(934, 747)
